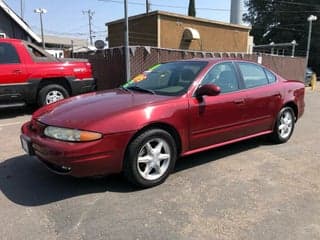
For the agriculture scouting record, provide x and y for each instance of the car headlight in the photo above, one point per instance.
(71, 135)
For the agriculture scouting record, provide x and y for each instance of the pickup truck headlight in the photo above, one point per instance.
(71, 135)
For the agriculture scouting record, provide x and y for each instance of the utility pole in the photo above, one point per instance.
(90, 15)
(147, 6)
(126, 41)
(72, 49)
(21, 9)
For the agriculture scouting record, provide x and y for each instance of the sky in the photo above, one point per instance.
(66, 18)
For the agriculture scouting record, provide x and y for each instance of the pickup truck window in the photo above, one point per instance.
(38, 55)
(8, 54)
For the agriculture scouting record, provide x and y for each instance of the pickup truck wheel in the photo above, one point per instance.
(51, 93)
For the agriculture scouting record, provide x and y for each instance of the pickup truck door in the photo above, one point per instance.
(12, 72)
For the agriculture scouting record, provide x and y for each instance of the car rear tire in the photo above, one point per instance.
(284, 125)
(150, 158)
(51, 93)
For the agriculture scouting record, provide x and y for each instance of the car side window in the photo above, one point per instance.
(253, 75)
(224, 76)
(271, 77)
(8, 54)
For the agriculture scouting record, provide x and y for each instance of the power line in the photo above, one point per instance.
(167, 6)
(299, 4)
(212, 9)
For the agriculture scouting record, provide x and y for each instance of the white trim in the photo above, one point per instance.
(18, 20)
(158, 31)
(191, 34)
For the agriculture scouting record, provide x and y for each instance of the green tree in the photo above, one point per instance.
(192, 8)
(281, 21)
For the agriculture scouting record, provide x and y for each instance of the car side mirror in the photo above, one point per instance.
(208, 90)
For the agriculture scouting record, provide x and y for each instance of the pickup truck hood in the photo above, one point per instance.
(84, 110)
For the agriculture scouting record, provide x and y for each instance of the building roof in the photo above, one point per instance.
(84, 49)
(181, 16)
(19, 21)
(65, 40)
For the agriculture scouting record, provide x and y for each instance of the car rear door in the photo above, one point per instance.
(217, 119)
(263, 97)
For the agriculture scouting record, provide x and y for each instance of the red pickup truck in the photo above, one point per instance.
(29, 75)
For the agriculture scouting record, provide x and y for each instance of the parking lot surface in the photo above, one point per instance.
(248, 190)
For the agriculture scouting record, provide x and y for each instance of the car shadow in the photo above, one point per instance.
(12, 112)
(26, 181)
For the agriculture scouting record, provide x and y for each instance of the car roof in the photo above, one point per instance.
(214, 60)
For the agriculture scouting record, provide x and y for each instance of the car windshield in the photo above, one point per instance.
(173, 78)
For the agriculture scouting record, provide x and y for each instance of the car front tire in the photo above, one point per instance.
(150, 158)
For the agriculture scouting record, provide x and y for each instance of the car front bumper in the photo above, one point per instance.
(101, 157)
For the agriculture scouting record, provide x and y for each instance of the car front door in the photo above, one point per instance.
(218, 119)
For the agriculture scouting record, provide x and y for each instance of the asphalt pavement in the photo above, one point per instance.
(248, 190)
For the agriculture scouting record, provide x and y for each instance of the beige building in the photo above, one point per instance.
(176, 31)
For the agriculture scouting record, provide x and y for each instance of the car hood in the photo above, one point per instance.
(82, 111)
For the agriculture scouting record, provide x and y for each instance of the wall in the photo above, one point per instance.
(11, 28)
(213, 37)
(146, 30)
(142, 31)
(109, 67)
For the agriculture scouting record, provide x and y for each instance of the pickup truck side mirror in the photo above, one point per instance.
(208, 90)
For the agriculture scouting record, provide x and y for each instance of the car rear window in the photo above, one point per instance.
(271, 77)
(253, 75)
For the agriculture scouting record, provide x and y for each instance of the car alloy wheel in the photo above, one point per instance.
(150, 158)
(153, 159)
(286, 124)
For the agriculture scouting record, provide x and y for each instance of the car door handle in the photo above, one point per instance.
(239, 101)
(276, 95)
(17, 71)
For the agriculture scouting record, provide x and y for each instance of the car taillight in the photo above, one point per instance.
(88, 65)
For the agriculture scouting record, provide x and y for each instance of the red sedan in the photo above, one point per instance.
(178, 108)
